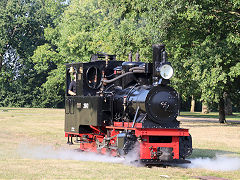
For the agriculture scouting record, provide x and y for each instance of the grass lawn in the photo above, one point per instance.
(32, 129)
(234, 117)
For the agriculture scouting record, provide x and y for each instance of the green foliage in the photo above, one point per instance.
(22, 26)
(202, 38)
(204, 41)
(76, 30)
(54, 88)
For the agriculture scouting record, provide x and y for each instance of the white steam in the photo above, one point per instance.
(49, 152)
(220, 163)
(133, 156)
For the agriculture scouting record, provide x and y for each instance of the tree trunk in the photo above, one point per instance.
(205, 109)
(1, 60)
(228, 104)
(192, 104)
(221, 111)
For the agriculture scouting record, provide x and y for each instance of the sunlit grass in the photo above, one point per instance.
(46, 126)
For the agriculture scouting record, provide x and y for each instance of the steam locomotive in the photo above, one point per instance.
(120, 104)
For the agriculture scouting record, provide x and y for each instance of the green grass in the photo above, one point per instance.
(46, 127)
(234, 117)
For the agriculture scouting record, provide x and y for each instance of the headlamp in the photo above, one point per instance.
(166, 71)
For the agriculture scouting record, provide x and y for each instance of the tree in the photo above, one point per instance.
(202, 38)
(22, 25)
(209, 32)
(68, 40)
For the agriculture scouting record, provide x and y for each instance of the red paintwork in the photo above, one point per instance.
(142, 134)
(162, 132)
(127, 124)
(145, 148)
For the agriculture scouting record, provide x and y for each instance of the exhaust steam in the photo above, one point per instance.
(49, 152)
(220, 163)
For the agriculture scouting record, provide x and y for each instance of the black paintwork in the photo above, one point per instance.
(109, 91)
(174, 162)
(119, 100)
(88, 107)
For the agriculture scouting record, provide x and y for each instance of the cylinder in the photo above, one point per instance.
(138, 98)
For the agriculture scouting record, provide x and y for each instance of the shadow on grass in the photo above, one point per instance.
(235, 116)
(210, 153)
(7, 109)
(232, 124)
(210, 122)
(199, 115)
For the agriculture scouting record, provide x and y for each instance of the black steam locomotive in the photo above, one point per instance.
(117, 105)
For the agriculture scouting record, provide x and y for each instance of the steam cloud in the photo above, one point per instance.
(220, 163)
(49, 152)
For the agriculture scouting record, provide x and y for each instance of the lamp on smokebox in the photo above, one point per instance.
(162, 70)
(166, 71)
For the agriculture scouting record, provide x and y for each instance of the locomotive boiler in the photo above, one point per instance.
(117, 105)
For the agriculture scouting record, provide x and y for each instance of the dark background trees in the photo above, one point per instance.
(22, 26)
(38, 37)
